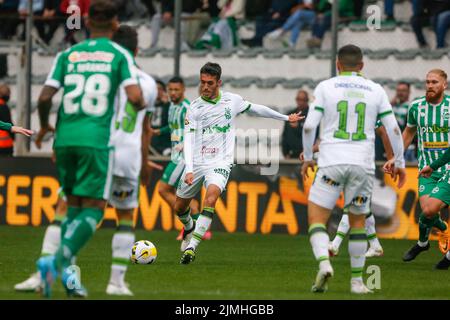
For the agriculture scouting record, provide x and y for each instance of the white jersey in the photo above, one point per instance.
(214, 126)
(350, 107)
(127, 128)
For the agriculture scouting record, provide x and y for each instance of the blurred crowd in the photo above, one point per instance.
(215, 23)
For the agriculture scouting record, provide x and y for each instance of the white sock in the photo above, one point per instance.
(186, 220)
(357, 247)
(201, 226)
(422, 244)
(52, 240)
(371, 232)
(121, 250)
(319, 241)
(342, 231)
(448, 255)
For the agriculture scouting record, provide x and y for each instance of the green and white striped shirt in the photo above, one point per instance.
(432, 123)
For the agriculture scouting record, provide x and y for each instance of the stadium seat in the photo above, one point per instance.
(270, 83)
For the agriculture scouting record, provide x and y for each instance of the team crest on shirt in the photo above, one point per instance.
(422, 188)
(435, 190)
(227, 113)
(446, 115)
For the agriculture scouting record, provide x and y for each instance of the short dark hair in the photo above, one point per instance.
(161, 83)
(101, 13)
(212, 69)
(127, 37)
(350, 55)
(404, 83)
(177, 79)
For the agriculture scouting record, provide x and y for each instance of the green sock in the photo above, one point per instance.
(72, 212)
(425, 226)
(439, 223)
(78, 233)
(195, 216)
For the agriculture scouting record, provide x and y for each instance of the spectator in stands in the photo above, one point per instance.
(161, 144)
(6, 137)
(322, 22)
(291, 140)
(222, 32)
(278, 13)
(9, 18)
(303, 15)
(165, 17)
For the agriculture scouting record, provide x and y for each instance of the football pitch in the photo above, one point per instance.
(230, 266)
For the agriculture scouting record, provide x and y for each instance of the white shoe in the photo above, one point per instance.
(118, 290)
(275, 34)
(187, 236)
(332, 249)
(320, 285)
(31, 284)
(374, 252)
(358, 287)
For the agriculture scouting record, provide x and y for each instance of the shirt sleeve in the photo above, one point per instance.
(412, 117)
(190, 128)
(55, 78)
(384, 107)
(5, 126)
(319, 101)
(441, 161)
(150, 99)
(241, 105)
(127, 70)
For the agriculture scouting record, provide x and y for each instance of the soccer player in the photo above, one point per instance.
(429, 117)
(443, 185)
(172, 174)
(209, 138)
(347, 106)
(90, 73)
(375, 248)
(131, 139)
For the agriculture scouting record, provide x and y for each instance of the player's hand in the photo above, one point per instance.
(295, 117)
(389, 166)
(426, 172)
(399, 175)
(154, 165)
(41, 134)
(305, 166)
(189, 178)
(20, 130)
(301, 157)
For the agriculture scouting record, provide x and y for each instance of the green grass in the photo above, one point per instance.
(230, 266)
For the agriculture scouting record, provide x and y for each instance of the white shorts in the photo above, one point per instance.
(356, 182)
(124, 193)
(217, 175)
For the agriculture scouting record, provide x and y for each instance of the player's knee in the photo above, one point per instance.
(210, 201)
(430, 210)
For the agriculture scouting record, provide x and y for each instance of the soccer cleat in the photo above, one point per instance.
(324, 274)
(444, 240)
(412, 253)
(32, 284)
(48, 274)
(118, 290)
(332, 250)
(374, 252)
(72, 283)
(444, 264)
(187, 236)
(358, 287)
(188, 256)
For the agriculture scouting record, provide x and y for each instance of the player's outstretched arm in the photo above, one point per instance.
(266, 112)
(20, 130)
(44, 106)
(308, 137)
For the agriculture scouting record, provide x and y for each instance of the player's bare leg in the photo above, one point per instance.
(203, 222)
(357, 247)
(319, 239)
(122, 241)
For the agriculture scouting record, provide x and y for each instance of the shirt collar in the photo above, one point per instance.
(213, 101)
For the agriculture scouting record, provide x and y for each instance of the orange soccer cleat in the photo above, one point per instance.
(444, 240)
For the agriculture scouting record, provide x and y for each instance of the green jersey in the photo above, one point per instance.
(90, 74)
(401, 112)
(177, 115)
(432, 124)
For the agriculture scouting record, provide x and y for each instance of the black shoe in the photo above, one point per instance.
(444, 264)
(412, 253)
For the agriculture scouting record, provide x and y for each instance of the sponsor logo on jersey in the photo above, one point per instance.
(80, 56)
(434, 129)
(421, 188)
(122, 194)
(216, 129)
(330, 181)
(359, 200)
(435, 190)
(222, 172)
(435, 145)
(227, 113)
(207, 150)
(352, 86)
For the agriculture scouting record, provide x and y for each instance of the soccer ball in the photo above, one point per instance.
(143, 252)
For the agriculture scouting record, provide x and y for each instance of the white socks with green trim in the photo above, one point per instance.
(318, 237)
(52, 240)
(371, 232)
(357, 247)
(121, 251)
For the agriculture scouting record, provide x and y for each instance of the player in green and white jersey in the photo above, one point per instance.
(172, 174)
(429, 118)
(90, 74)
